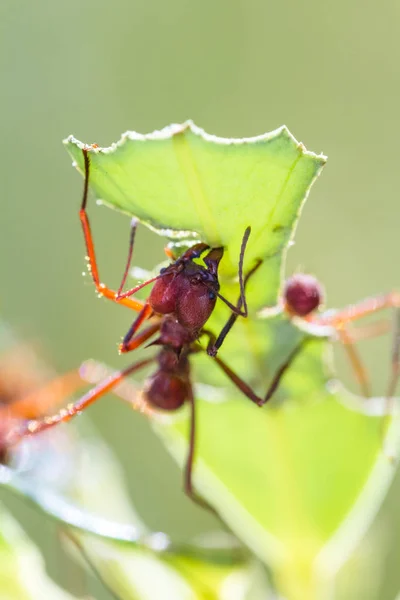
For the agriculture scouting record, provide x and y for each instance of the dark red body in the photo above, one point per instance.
(185, 296)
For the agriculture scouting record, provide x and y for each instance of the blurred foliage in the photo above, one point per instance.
(329, 71)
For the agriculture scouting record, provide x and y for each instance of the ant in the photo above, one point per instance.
(180, 303)
(302, 297)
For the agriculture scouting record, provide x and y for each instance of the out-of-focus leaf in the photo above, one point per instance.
(22, 571)
(131, 561)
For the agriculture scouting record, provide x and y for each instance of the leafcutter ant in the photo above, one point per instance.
(180, 303)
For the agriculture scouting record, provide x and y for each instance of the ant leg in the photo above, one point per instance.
(395, 374)
(395, 357)
(357, 311)
(216, 345)
(47, 396)
(355, 361)
(133, 342)
(188, 483)
(246, 389)
(239, 383)
(370, 331)
(38, 425)
(93, 372)
(284, 367)
(351, 313)
(130, 341)
(93, 268)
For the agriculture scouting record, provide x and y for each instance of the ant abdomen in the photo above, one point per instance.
(302, 294)
(166, 390)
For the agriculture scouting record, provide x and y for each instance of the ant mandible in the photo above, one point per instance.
(180, 303)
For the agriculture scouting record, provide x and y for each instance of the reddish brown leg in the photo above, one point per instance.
(395, 374)
(247, 390)
(93, 372)
(91, 255)
(357, 311)
(358, 367)
(138, 340)
(46, 397)
(38, 425)
(188, 484)
(358, 334)
(354, 312)
(395, 357)
(130, 341)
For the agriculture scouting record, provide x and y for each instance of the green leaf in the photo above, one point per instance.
(183, 180)
(128, 559)
(300, 480)
(22, 570)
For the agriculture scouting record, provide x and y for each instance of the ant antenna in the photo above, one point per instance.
(134, 224)
(213, 348)
(139, 287)
(241, 260)
(242, 301)
(86, 183)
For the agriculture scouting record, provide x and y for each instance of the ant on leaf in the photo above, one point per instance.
(180, 303)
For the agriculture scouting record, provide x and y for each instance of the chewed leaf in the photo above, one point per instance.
(184, 182)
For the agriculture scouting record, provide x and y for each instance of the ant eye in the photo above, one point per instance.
(163, 270)
(211, 295)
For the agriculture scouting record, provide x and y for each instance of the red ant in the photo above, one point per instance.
(302, 296)
(181, 301)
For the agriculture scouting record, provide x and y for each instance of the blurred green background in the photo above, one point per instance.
(329, 71)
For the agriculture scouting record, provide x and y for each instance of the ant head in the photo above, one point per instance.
(302, 294)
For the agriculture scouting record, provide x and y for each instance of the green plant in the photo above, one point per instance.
(299, 481)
